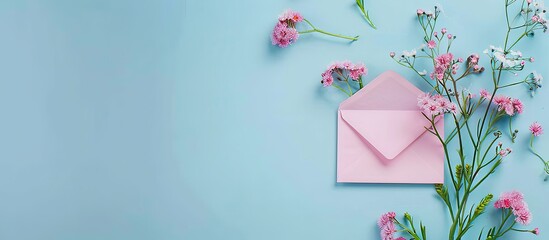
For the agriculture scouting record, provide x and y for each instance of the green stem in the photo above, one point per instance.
(327, 33)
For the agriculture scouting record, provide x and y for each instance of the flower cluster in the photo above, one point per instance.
(511, 60)
(510, 106)
(514, 201)
(538, 18)
(434, 105)
(442, 63)
(343, 72)
(536, 130)
(386, 224)
(285, 33)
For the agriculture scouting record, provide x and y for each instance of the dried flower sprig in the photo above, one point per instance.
(285, 33)
(360, 5)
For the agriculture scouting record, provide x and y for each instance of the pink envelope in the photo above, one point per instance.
(382, 136)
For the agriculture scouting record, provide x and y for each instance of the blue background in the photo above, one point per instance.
(178, 119)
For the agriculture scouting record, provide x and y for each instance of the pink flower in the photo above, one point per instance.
(517, 105)
(392, 54)
(536, 129)
(535, 231)
(515, 202)
(485, 94)
(443, 30)
(387, 226)
(532, 59)
(431, 44)
(505, 103)
(354, 71)
(450, 36)
(434, 105)
(283, 35)
(420, 12)
(442, 63)
(473, 59)
(290, 15)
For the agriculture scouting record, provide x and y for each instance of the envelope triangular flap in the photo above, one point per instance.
(385, 113)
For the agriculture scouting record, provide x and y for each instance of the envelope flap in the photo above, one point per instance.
(389, 131)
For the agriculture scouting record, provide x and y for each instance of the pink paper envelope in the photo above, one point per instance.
(382, 136)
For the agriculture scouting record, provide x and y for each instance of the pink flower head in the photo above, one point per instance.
(485, 94)
(420, 12)
(535, 231)
(357, 70)
(387, 226)
(473, 59)
(290, 15)
(434, 105)
(505, 103)
(532, 59)
(535, 18)
(517, 105)
(283, 35)
(443, 30)
(354, 71)
(450, 36)
(515, 201)
(431, 44)
(536, 129)
(327, 78)
(442, 63)
(392, 54)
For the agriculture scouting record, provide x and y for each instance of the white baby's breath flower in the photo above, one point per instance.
(423, 73)
(410, 53)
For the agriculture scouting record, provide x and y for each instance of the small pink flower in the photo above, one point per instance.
(485, 94)
(327, 78)
(529, 1)
(290, 15)
(460, 60)
(443, 30)
(420, 12)
(503, 153)
(435, 34)
(535, 18)
(517, 105)
(392, 54)
(532, 59)
(536, 129)
(283, 35)
(450, 36)
(515, 201)
(387, 226)
(535, 231)
(431, 44)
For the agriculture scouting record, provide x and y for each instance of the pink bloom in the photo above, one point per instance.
(435, 34)
(536, 129)
(450, 36)
(356, 71)
(443, 30)
(517, 105)
(515, 201)
(473, 59)
(420, 12)
(505, 103)
(392, 54)
(485, 94)
(283, 35)
(535, 231)
(442, 63)
(532, 59)
(327, 78)
(535, 18)
(290, 15)
(431, 44)
(460, 60)
(387, 226)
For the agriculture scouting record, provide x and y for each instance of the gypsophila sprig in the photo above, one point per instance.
(475, 116)
(285, 33)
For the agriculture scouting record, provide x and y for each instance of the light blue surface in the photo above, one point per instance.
(178, 120)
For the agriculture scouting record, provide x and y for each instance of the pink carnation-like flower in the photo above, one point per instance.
(517, 105)
(431, 44)
(387, 226)
(515, 202)
(535, 231)
(536, 129)
(485, 94)
(290, 15)
(283, 35)
(355, 71)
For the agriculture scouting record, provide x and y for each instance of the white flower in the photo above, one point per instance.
(537, 77)
(423, 73)
(411, 53)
